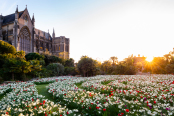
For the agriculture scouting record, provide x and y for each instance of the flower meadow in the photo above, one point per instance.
(102, 95)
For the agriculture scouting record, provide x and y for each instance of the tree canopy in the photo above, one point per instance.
(6, 48)
(87, 66)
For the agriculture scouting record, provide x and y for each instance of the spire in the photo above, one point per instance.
(53, 34)
(33, 20)
(53, 31)
(17, 9)
(16, 13)
(33, 17)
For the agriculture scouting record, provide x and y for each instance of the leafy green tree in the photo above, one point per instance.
(56, 69)
(121, 68)
(69, 63)
(106, 67)
(87, 66)
(17, 65)
(35, 67)
(52, 59)
(34, 56)
(6, 48)
(70, 71)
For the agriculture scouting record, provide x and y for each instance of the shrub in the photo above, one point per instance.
(6, 48)
(56, 69)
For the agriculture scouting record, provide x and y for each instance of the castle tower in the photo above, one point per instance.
(1, 20)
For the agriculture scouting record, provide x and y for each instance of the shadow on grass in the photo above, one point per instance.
(42, 90)
(4, 94)
(1, 96)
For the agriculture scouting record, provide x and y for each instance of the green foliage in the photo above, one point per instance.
(44, 73)
(52, 59)
(6, 48)
(35, 67)
(170, 68)
(87, 66)
(34, 56)
(70, 71)
(16, 65)
(69, 63)
(56, 69)
(126, 67)
(106, 82)
(1, 80)
(41, 83)
(106, 67)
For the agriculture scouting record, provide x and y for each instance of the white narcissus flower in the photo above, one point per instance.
(21, 114)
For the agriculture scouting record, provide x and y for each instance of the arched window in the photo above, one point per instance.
(25, 41)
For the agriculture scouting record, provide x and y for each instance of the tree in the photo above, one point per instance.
(139, 66)
(56, 69)
(69, 63)
(114, 60)
(105, 66)
(167, 58)
(70, 71)
(35, 67)
(169, 68)
(6, 48)
(17, 65)
(52, 59)
(87, 66)
(34, 56)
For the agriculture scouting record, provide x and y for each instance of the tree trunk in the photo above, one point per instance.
(12, 76)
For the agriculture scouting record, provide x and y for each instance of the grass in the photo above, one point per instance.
(106, 82)
(79, 85)
(1, 96)
(42, 90)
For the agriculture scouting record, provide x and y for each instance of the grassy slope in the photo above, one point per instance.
(42, 90)
(1, 96)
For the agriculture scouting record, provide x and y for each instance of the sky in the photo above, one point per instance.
(104, 28)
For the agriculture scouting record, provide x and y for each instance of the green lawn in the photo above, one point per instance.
(42, 90)
(1, 96)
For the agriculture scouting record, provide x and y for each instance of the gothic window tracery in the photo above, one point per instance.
(25, 40)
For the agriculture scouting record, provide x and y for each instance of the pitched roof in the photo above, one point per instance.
(10, 18)
(47, 35)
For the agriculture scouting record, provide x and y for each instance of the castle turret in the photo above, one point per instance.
(1, 20)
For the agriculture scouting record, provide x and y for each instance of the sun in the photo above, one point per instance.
(149, 59)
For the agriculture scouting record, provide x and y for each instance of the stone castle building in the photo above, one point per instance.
(19, 30)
